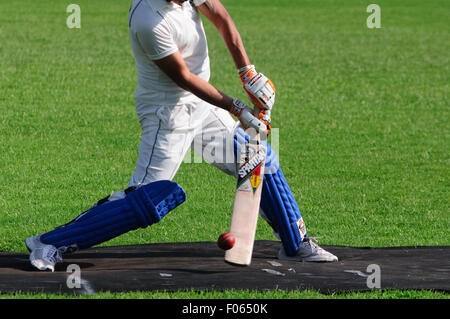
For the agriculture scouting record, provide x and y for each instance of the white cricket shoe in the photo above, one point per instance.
(308, 251)
(42, 256)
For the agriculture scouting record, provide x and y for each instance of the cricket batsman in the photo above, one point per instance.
(179, 110)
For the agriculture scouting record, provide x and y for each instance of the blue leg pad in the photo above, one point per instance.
(142, 207)
(278, 205)
(280, 208)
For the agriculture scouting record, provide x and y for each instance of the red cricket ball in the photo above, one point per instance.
(226, 241)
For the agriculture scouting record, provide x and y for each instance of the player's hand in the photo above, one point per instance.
(245, 115)
(258, 87)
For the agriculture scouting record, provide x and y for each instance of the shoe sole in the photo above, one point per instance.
(308, 259)
(319, 259)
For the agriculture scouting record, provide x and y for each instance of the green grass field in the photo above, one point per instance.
(363, 119)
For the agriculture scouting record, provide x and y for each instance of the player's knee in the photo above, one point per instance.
(148, 208)
(272, 164)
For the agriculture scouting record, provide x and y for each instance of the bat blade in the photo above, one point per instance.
(246, 202)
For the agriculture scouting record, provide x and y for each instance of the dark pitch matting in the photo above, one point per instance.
(201, 266)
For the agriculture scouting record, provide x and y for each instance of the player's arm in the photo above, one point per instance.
(174, 66)
(215, 12)
(258, 87)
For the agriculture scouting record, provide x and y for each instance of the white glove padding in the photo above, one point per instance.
(246, 117)
(258, 87)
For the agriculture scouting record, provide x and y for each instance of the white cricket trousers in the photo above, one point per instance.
(168, 132)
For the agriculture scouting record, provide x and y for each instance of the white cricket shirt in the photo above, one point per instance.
(157, 29)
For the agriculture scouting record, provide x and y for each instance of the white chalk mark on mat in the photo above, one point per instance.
(274, 263)
(273, 272)
(357, 272)
(165, 275)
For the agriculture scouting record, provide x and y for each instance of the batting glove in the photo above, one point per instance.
(259, 88)
(264, 116)
(245, 115)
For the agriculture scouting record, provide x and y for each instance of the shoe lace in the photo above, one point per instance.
(312, 241)
(54, 255)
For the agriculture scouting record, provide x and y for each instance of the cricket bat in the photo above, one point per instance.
(246, 201)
